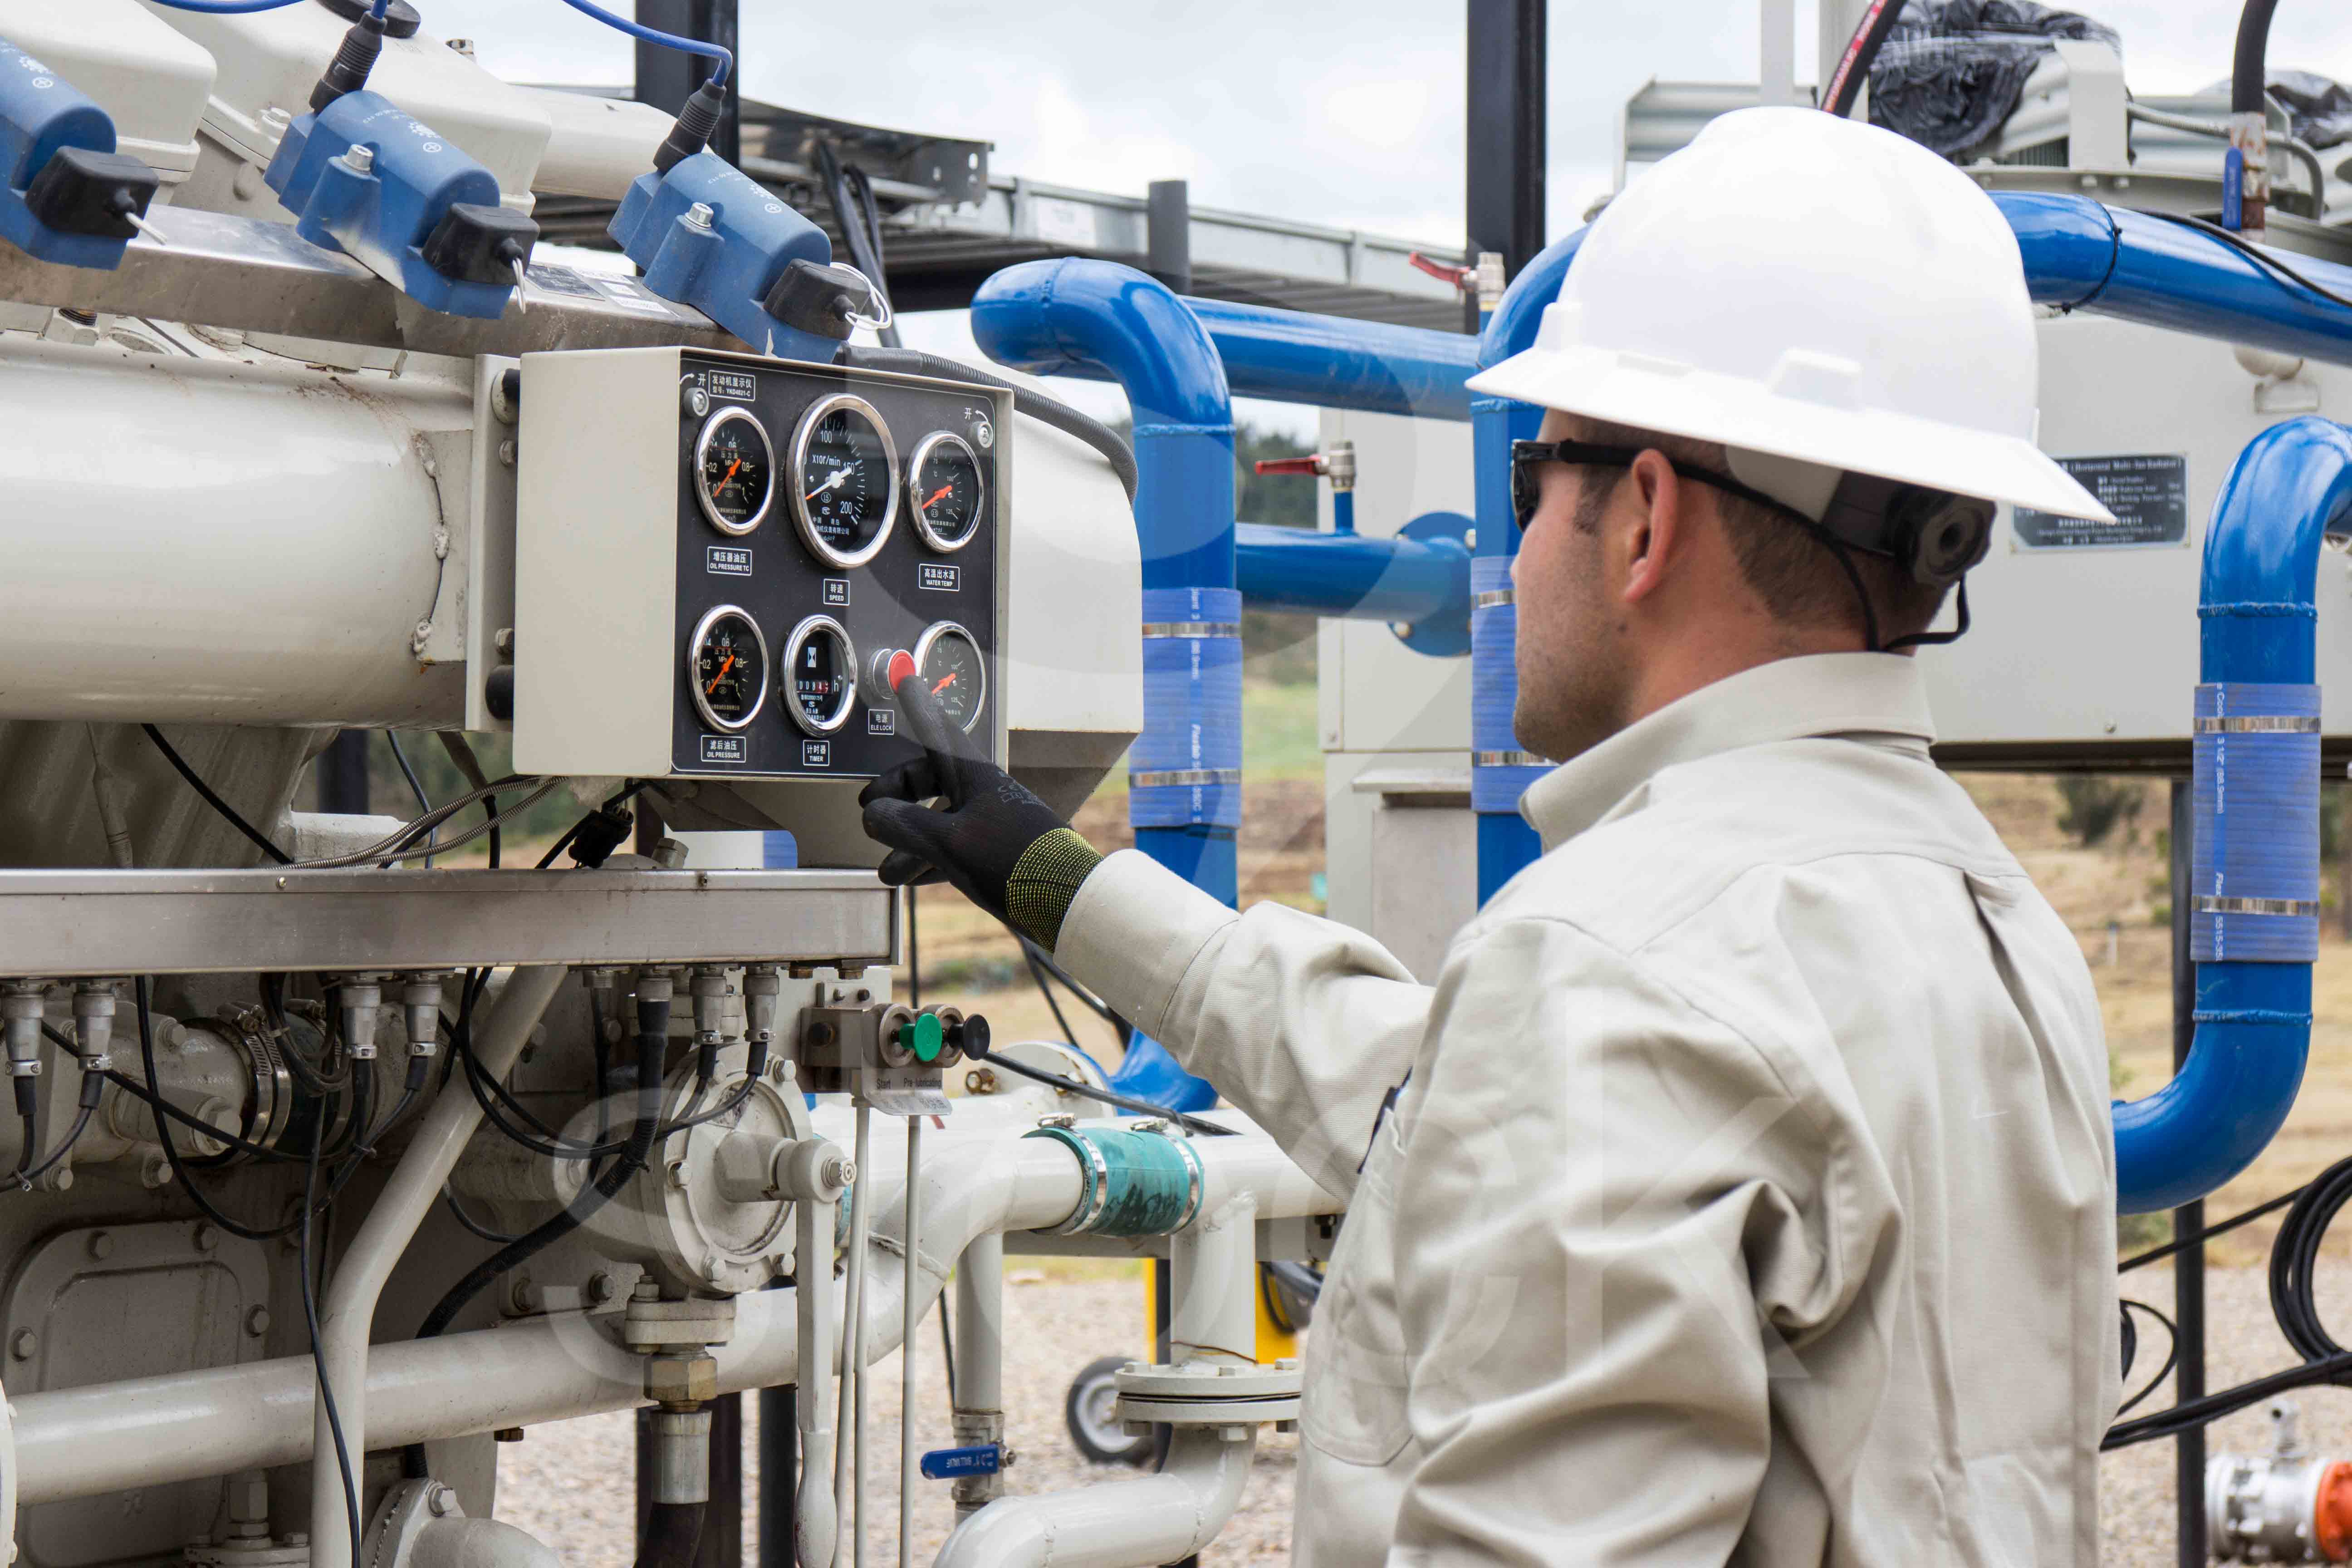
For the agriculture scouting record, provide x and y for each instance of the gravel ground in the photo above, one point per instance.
(571, 1482)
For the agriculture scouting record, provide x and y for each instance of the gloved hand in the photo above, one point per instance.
(990, 838)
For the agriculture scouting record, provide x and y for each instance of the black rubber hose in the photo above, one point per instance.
(1036, 404)
(672, 1530)
(2249, 66)
(1861, 51)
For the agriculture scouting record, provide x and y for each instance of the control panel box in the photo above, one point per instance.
(716, 554)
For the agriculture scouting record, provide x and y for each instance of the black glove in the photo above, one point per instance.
(991, 838)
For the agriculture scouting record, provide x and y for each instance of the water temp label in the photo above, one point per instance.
(727, 561)
(725, 749)
(941, 578)
(2148, 493)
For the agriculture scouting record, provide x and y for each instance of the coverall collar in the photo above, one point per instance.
(1876, 694)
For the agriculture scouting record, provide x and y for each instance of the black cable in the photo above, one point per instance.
(1861, 53)
(2294, 1262)
(142, 996)
(2213, 1406)
(1047, 991)
(1035, 405)
(415, 787)
(92, 1087)
(311, 1320)
(2156, 1253)
(2249, 61)
(1104, 1096)
(457, 1212)
(947, 1351)
(179, 764)
(1093, 1004)
(860, 224)
(2265, 259)
(204, 1129)
(2171, 1356)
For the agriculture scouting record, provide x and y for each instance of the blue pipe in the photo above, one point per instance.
(1330, 361)
(1096, 319)
(2256, 839)
(1499, 772)
(1353, 576)
(2080, 254)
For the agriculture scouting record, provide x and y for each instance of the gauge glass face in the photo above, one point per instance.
(947, 491)
(729, 668)
(951, 665)
(823, 677)
(845, 498)
(735, 471)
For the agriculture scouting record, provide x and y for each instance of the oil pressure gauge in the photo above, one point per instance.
(820, 675)
(727, 669)
(948, 660)
(946, 489)
(734, 471)
(844, 482)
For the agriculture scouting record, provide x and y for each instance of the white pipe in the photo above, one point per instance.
(143, 1432)
(1212, 1285)
(912, 1314)
(348, 1310)
(849, 1445)
(818, 1530)
(1123, 1524)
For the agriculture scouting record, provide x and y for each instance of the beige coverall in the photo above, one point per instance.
(1751, 1197)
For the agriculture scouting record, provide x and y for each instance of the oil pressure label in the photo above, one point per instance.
(727, 561)
(2148, 494)
(742, 386)
(941, 578)
(725, 749)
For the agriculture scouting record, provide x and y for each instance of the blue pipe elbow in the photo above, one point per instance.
(2254, 921)
(1330, 361)
(1107, 322)
(1353, 576)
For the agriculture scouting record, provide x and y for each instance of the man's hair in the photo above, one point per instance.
(1787, 567)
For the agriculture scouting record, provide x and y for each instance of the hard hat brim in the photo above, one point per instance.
(1678, 400)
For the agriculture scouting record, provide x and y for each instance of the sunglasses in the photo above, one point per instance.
(1526, 484)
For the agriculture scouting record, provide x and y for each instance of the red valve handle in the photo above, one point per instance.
(1314, 465)
(1465, 278)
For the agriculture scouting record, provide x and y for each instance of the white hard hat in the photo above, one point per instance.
(1798, 286)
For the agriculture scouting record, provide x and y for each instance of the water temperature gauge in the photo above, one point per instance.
(948, 661)
(734, 471)
(945, 485)
(727, 668)
(819, 672)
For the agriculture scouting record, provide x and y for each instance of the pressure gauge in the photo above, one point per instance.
(844, 482)
(820, 675)
(945, 491)
(727, 669)
(734, 471)
(948, 660)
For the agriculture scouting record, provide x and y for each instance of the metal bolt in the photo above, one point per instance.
(841, 1171)
(714, 1268)
(462, 46)
(440, 1500)
(155, 1172)
(361, 158)
(22, 1346)
(1470, 538)
(984, 435)
(1148, 1125)
(1402, 629)
(980, 1080)
(207, 1237)
(102, 1244)
(700, 214)
(696, 401)
(1009, 1458)
(507, 452)
(1062, 1118)
(256, 1321)
(678, 1174)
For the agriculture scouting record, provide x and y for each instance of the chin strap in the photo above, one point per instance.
(1936, 639)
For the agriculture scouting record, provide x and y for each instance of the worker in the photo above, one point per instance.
(1743, 1190)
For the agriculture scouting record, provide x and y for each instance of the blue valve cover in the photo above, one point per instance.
(947, 1464)
(41, 114)
(382, 218)
(726, 271)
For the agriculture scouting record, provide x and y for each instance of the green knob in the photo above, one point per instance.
(922, 1036)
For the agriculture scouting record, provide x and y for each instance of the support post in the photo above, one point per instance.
(666, 76)
(1506, 122)
(778, 1462)
(343, 773)
(1168, 223)
(2188, 1263)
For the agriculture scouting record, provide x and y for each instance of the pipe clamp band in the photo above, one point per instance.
(2254, 880)
(1507, 760)
(1185, 771)
(1137, 1183)
(2256, 1015)
(1493, 597)
(1191, 628)
(1180, 778)
(2261, 724)
(2301, 908)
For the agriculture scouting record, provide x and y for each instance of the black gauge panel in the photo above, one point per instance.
(778, 620)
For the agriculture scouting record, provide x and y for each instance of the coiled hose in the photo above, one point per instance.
(1036, 404)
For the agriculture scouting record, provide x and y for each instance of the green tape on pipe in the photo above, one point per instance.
(1134, 1183)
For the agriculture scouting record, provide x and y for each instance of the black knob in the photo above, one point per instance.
(970, 1037)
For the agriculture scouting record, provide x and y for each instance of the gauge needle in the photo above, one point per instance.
(711, 688)
(937, 496)
(840, 478)
(732, 470)
(943, 685)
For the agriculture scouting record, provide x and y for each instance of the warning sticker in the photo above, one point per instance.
(2148, 494)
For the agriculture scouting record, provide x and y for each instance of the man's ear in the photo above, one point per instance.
(1653, 537)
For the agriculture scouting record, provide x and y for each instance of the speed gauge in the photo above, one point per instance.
(948, 660)
(727, 669)
(945, 488)
(734, 471)
(844, 482)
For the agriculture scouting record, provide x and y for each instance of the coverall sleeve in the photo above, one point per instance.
(1610, 1235)
(1306, 1024)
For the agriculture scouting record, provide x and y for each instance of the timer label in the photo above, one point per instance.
(881, 720)
(727, 561)
(740, 385)
(940, 577)
(725, 749)
(836, 591)
(816, 753)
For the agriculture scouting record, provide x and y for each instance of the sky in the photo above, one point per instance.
(1349, 115)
